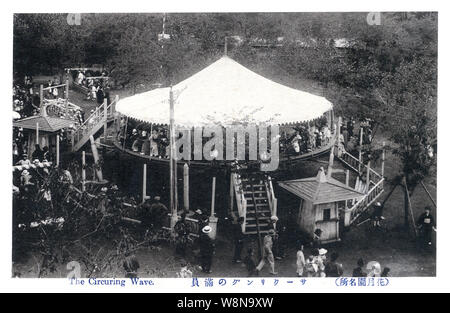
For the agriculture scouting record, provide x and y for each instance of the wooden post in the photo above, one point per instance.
(37, 133)
(213, 219)
(383, 157)
(213, 196)
(410, 207)
(144, 182)
(57, 150)
(186, 186)
(360, 148)
(96, 158)
(83, 171)
(347, 181)
(275, 206)
(113, 108)
(368, 177)
(330, 163)
(428, 193)
(105, 116)
(389, 195)
(125, 134)
(67, 97)
(41, 96)
(231, 194)
(173, 165)
(337, 143)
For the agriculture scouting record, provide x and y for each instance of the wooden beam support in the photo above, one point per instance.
(186, 186)
(428, 193)
(410, 207)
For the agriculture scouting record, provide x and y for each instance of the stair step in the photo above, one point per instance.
(259, 205)
(255, 185)
(259, 224)
(254, 232)
(257, 198)
(259, 212)
(252, 218)
(256, 191)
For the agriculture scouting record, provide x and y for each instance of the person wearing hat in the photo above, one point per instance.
(238, 237)
(24, 160)
(426, 224)
(267, 253)
(377, 214)
(206, 249)
(25, 178)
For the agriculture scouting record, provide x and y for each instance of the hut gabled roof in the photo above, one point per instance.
(320, 189)
(46, 123)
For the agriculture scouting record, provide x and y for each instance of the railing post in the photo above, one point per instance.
(368, 176)
(186, 186)
(41, 95)
(83, 171)
(144, 182)
(360, 148)
(105, 117)
(57, 150)
(231, 194)
(383, 156)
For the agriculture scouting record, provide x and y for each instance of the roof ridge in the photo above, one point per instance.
(337, 183)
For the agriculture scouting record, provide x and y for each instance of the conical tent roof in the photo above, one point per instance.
(225, 93)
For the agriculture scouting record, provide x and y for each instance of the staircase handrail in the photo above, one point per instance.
(365, 201)
(87, 125)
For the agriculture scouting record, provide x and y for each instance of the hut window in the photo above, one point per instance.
(326, 214)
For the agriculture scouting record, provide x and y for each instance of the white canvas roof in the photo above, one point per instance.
(225, 93)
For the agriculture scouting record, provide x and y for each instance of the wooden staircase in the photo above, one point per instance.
(255, 201)
(102, 117)
(372, 186)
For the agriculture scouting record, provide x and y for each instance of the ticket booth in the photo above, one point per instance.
(320, 200)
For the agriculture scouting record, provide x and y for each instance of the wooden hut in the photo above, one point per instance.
(43, 130)
(321, 199)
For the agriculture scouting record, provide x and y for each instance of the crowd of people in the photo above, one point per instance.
(350, 136)
(25, 99)
(154, 142)
(97, 85)
(306, 139)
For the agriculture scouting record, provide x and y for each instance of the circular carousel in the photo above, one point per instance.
(222, 98)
